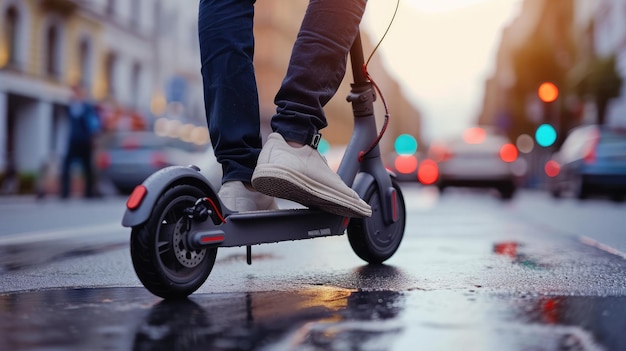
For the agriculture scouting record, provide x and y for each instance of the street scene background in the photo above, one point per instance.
(507, 136)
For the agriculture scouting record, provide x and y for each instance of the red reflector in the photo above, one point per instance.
(346, 221)
(211, 239)
(394, 208)
(136, 197)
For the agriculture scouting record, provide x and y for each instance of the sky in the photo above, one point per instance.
(441, 52)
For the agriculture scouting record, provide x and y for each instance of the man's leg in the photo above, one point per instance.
(289, 165)
(65, 173)
(317, 67)
(88, 172)
(230, 91)
(231, 98)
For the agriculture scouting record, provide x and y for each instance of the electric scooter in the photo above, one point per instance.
(178, 221)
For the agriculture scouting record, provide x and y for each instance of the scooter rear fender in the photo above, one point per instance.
(364, 181)
(157, 183)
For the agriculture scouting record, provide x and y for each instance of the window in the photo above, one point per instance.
(110, 68)
(135, 11)
(158, 28)
(85, 62)
(135, 84)
(11, 35)
(110, 7)
(52, 64)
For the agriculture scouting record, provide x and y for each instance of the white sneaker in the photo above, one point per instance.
(237, 197)
(301, 174)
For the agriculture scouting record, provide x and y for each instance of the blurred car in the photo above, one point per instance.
(126, 159)
(592, 160)
(185, 154)
(480, 159)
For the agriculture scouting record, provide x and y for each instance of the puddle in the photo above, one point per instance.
(315, 318)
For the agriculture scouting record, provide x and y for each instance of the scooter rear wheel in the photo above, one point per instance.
(161, 258)
(372, 238)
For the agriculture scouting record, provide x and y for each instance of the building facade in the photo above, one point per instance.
(137, 57)
(609, 38)
(598, 29)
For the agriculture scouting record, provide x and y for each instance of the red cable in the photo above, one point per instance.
(219, 215)
(362, 154)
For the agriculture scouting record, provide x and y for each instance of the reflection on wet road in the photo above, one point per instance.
(315, 318)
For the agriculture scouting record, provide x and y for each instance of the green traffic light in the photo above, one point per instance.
(545, 135)
(405, 144)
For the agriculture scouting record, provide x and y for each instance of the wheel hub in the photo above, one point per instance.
(186, 257)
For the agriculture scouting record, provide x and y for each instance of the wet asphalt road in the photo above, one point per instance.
(472, 273)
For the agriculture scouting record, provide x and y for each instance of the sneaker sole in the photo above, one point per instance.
(288, 185)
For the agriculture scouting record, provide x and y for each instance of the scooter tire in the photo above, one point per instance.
(372, 238)
(161, 261)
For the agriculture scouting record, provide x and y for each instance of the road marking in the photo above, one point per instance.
(63, 233)
(591, 242)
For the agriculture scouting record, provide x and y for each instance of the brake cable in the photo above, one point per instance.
(376, 141)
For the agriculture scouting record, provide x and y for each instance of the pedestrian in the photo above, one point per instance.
(288, 165)
(84, 124)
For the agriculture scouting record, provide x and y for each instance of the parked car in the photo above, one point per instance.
(126, 159)
(592, 160)
(478, 159)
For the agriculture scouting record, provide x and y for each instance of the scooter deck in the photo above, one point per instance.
(262, 227)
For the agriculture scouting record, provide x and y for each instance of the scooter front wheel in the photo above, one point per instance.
(163, 262)
(373, 239)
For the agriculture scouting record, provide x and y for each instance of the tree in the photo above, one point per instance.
(601, 83)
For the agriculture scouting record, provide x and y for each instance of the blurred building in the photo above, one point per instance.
(140, 61)
(609, 38)
(135, 57)
(576, 31)
(535, 47)
(563, 42)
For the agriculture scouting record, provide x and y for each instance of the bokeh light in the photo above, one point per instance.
(552, 168)
(428, 172)
(474, 135)
(160, 127)
(545, 135)
(323, 147)
(200, 136)
(525, 143)
(548, 92)
(406, 164)
(158, 104)
(508, 153)
(405, 144)
(520, 167)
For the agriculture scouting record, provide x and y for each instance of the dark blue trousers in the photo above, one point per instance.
(316, 69)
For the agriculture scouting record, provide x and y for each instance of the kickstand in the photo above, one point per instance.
(249, 254)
